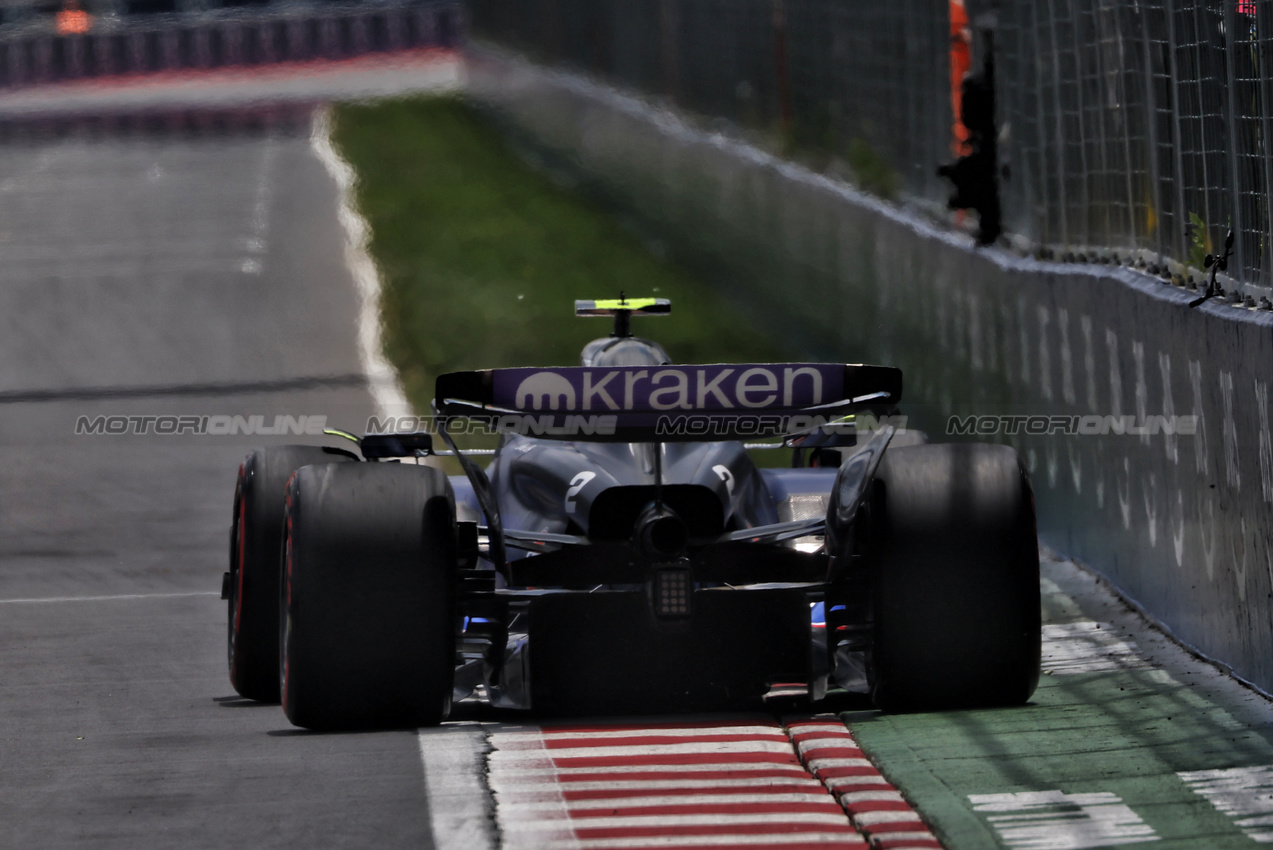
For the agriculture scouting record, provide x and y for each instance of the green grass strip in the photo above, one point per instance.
(482, 256)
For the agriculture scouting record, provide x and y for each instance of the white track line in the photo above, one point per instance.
(459, 801)
(832, 839)
(452, 757)
(386, 391)
(55, 599)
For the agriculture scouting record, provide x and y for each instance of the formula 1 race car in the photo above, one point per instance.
(622, 552)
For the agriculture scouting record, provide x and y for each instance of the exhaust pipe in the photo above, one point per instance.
(661, 534)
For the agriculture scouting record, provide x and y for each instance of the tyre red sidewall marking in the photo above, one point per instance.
(286, 614)
(238, 600)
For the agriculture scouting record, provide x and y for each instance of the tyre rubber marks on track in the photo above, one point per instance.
(1052, 820)
(254, 243)
(1087, 647)
(666, 785)
(1242, 793)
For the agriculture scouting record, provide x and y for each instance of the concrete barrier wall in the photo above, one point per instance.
(1181, 523)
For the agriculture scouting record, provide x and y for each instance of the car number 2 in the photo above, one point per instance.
(725, 475)
(577, 483)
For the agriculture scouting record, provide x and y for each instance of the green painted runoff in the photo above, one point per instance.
(1104, 721)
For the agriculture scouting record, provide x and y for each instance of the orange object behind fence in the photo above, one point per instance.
(960, 64)
(73, 20)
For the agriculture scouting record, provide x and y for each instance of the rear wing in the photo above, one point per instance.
(633, 306)
(623, 309)
(668, 403)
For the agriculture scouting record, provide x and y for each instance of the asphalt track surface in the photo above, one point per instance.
(170, 274)
(164, 275)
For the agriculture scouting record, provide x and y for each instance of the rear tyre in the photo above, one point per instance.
(255, 540)
(956, 580)
(368, 602)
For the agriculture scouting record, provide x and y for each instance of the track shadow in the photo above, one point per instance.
(237, 701)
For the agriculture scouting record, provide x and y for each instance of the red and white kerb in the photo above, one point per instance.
(729, 783)
(878, 810)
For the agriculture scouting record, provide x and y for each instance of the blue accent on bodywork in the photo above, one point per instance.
(818, 614)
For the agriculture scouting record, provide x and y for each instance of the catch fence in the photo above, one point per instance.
(1141, 124)
(867, 81)
(1130, 131)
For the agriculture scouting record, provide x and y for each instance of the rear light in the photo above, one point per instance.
(673, 590)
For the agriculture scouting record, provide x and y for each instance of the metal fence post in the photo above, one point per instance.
(266, 50)
(73, 56)
(426, 20)
(1263, 36)
(42, 59)
(1098, 135)
(135, 52)
(1133, 232)
(329, 38)
(1205, 184)
(297, 39)
(103, 54)
(1238, 269)
(232, 44)
(169, 49)
(359, 34)
(19, 68)
(1080, 109)
(396, 24)
(200, 47)
(1181, 217)
(1039, 212)
(1058, 115)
